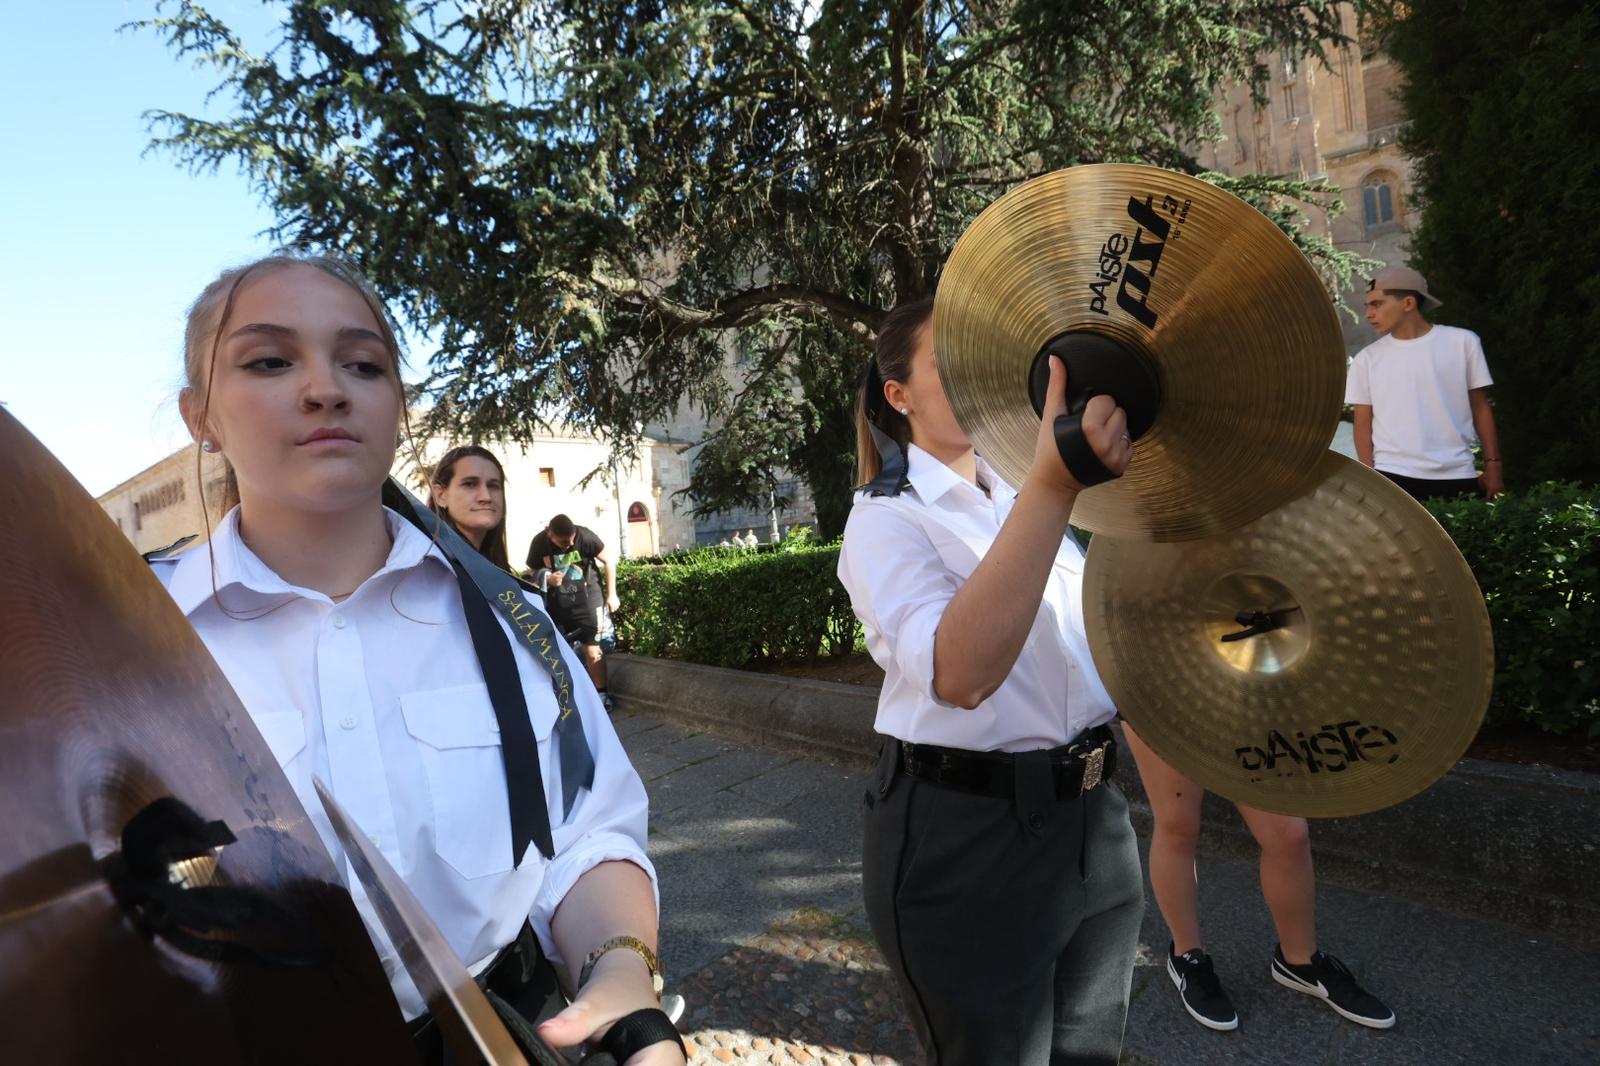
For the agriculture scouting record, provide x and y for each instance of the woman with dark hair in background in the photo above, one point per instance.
(469, 492)
(999, 867)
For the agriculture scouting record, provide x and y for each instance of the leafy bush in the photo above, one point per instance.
(1536, 556)
(737, 607)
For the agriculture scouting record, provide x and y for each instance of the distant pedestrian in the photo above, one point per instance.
(1421, 394)
(565, 560)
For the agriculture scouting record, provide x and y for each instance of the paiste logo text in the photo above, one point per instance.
(1333, 749)
(1134, 275)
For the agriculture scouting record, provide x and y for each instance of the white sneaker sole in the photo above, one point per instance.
(1294, 985)
(1177, 982)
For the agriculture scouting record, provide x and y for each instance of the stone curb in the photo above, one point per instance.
(1518, 843)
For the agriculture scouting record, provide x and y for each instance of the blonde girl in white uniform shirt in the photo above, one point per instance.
(1000, 874)
(341, 627)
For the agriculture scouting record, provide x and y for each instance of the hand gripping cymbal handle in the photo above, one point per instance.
(1096, 365)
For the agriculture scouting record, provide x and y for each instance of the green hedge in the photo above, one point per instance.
(737, 607)
(1536, 555)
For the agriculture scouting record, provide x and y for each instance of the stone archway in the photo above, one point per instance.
(641, 531)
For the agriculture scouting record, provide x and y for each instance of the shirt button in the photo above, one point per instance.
(348, 722)
(338, 621)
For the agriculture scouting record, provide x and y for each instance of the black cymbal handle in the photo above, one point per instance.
(1258, 622)
(1097, 364)
(1076, 451)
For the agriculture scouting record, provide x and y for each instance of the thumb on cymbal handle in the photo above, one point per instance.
(1098, 365)
(1076, 451)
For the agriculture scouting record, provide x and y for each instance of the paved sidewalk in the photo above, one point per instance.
(763, 933)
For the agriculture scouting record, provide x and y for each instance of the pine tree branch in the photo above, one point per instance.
(738, 309)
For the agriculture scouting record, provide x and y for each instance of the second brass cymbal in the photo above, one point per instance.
(1329, 659)
(111, 707)
(468, 1021)
(1211, 303)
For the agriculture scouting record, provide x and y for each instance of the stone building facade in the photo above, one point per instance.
(163, 503)
(790, 505)
(1336, 121)
(561, 472)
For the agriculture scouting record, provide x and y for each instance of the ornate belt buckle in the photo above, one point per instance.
(1094, 765)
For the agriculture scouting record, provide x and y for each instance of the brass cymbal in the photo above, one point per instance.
(1369, 671)
(108, 702)
(1213, 308)
(467, 1019)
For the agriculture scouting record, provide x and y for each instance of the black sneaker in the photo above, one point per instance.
(1200, 990)
(1329, 979)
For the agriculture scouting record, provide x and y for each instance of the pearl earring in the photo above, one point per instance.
(905, 410)
(208, 445)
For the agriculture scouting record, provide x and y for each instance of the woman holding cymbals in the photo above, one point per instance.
(1000, 870)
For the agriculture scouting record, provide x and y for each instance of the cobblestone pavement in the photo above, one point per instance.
(810, 992)
(759, 859)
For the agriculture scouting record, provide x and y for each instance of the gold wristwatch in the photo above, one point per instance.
(633, 944)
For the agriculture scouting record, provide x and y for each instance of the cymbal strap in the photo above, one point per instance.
(208, 921)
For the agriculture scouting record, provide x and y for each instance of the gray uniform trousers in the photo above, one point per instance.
(1010, 923)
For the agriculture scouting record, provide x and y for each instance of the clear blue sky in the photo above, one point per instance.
(104, 247)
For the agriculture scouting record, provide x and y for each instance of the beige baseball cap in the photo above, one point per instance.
(1401, 277)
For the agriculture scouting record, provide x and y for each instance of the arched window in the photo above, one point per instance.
(1378, 199)
(638, 513)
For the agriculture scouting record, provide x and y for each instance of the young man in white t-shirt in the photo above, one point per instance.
(1420, 394)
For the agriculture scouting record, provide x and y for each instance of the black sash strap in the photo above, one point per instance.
(482, 584)
(891, 479)
(519, 749)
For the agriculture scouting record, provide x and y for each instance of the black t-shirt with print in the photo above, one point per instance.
(581, 587)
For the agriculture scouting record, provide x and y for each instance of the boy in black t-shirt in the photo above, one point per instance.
(562, 559)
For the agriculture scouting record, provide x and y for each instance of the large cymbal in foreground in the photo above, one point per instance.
(471, 1027)
(1194, 284)
(1372, 685)
(108, 702)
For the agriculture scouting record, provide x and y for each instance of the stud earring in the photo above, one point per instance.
(905, 410)
(208, 445)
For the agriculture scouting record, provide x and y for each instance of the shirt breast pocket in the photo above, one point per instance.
(459, 743)
(284, 732)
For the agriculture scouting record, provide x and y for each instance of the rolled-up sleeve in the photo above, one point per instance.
(609, 822)
(899, 587)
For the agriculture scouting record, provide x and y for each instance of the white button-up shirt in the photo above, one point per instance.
(382, 697)
(904, 558)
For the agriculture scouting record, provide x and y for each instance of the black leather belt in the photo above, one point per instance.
(1076, 767)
